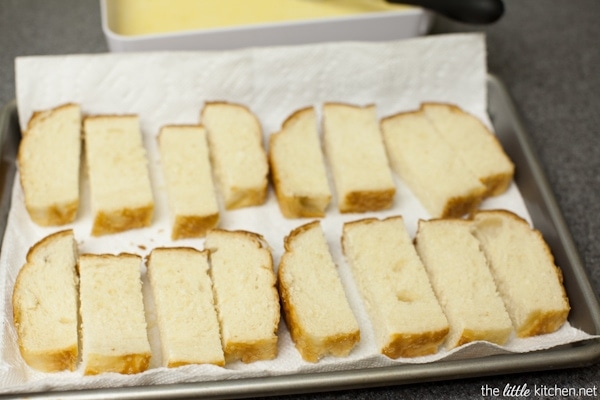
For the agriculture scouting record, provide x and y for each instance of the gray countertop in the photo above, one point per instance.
(547, 53)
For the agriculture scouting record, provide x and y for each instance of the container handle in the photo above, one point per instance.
(467, 11)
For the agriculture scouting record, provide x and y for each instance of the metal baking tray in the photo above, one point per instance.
(545, 214)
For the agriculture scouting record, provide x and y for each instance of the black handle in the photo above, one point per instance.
(468, 11)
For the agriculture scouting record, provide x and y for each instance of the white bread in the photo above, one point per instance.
(462, 282)
(121, 194)
(186, 167)
(473, 142)
(523, 267)
(298, 168)
(356, 155)
(317, 311)
(49, 159)
(245, 294)
(183, 300)
(404, 311)
(45, 304)
(113, 324)
(238, 157)
(430, 166)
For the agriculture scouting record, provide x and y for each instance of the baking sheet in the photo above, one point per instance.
(334, 374)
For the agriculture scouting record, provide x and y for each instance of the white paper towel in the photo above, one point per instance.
(167, 88)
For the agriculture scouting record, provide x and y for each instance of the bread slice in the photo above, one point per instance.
(430, 166)
(113, 325)
(237, 153)
(49, 159)
(186, 167)
(121, 194)
(298, 168)
(183, 299)
(245, 294)
(406, 316)
(45, 304)
(356, 154)
(317, 311)
(462, 282)
(523, 266)
(479, 148)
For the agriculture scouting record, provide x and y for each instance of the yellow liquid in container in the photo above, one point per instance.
(142, 17)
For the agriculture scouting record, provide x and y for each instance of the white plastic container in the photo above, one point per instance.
(376, 26)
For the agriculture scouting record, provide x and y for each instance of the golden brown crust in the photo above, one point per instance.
(246, 197)
(256, 238)
(231, 104)
(265, 349)
(249, 352)
(456, 207)
(175, 364)
(367, 200)
(311, 348)
(301, 206)
(193, 226)
(53, 361)
(108, 116)
(294, 206)
(121, 220)
(123, 364)
(55, 214)
(297, 206)
(239, 197)
(187, 249)
(39, 116)
(539, 322)
(414, 345)
(50, 361)
(495, 184)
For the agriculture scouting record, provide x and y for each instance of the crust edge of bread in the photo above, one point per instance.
(311, 348)
(58, 359)
(55, 214)
(538, 322)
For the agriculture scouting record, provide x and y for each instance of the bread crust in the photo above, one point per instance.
(294, 205)
(453, 207)
(402, 344)
(267, 347)
(456, 207)
(171, 356)
(193, 226)
(495, 184)
(52, 360)
(538, 322)
(311, 348)
(53, 215)
(56, 214)
(414, 345)
(240, 197)
(367, 200)
(360, 201)
(122, 364)
(108, 222)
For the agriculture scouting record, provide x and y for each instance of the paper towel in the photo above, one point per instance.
(170, 88)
